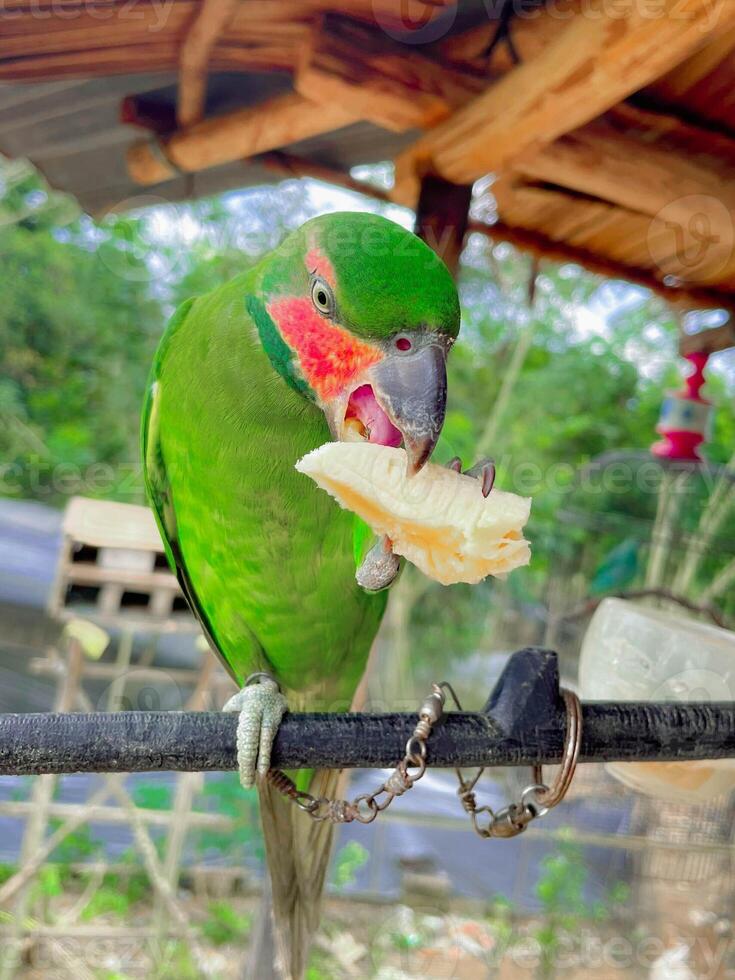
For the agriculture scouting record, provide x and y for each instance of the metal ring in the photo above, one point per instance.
(558, 790)
(534, 791)
(413, 756)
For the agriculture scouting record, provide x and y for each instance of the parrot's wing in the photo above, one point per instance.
(160, 496)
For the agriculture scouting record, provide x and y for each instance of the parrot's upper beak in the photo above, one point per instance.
(402, 398)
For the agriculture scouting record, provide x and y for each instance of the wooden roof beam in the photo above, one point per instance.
(194, 56)
(538, 245)
(391, 84)
(690, 193)
(587, 67)
(676, 83)
(233, 136)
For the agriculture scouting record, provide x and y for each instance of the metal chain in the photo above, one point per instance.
(366, 807)
(537, 798)
(535, 801)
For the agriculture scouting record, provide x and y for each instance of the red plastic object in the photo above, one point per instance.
(685, 416)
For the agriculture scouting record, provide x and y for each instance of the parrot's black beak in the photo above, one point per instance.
(411, 388)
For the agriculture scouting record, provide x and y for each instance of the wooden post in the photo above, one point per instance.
(441, 217)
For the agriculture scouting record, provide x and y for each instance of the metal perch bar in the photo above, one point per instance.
(522, 723)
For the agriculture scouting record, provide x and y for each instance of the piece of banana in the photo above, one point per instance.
(438, 519)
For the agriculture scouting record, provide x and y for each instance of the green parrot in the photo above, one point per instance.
(344, 328)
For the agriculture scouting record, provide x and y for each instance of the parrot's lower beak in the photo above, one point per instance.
(402, 399)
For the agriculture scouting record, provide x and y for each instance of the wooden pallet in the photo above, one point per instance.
(113, 570)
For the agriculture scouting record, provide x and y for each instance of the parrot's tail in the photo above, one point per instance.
(297, 854)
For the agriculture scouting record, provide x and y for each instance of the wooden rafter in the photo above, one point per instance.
(543, 247)
(693, 70)
(629, 238)
(391, 84)
(194, 58)
(262, 35)
(692, 194)
(236, 135)
(589, 66)
(441, 218)
(404, 18)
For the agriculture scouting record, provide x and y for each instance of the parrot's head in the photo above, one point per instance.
(358, 315)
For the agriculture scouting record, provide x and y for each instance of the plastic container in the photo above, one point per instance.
(634, 653)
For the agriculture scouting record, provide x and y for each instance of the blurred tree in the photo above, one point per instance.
(75, 338)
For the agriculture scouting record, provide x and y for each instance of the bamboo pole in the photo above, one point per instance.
(486, 444)
(710, 521)
(43, 792)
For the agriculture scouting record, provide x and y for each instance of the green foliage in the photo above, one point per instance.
(80, 845)
(500, 916)
(347, 862)
(75, 337)
(152, 796)
(174, 959)
(560, 889)
(50, 881)
(225, 925)
(116, 895)
(225, 795)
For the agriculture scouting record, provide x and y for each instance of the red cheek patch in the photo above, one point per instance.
(330, 358)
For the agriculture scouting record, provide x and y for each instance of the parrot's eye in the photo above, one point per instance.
(322, 297)
(403, 343)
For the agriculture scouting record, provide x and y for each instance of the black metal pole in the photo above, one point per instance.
(522, 723)
(142, 741)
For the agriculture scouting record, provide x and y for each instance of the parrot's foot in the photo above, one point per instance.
(261, 706)
(379, 567)
(483, 470)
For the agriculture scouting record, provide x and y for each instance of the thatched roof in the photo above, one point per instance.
(610, 127)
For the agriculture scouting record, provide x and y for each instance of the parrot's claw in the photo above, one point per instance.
(261, 706)
(379, 567)
(483, 470)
